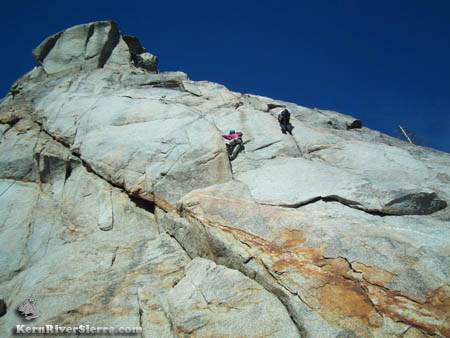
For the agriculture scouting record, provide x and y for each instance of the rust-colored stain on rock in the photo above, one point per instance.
(343, 296)
(430, 317)
(441, 300)
(336, 265)
(291, 238)
(373, 275)
(345, 299)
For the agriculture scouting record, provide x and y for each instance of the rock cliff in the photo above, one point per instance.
(119, 207)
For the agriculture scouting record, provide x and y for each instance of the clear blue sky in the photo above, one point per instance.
(384, 62)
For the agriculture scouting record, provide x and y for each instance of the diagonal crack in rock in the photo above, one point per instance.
(419, 203)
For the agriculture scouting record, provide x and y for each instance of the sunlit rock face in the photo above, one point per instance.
(119, 206)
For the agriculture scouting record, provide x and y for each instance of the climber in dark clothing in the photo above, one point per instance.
(284, 117)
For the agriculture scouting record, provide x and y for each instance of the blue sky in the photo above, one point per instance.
(384, 62)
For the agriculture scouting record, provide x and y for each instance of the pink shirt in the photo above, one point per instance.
(232, 136)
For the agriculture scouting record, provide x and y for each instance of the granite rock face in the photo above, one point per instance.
(119, 207)
(212, 300)
(91, 46)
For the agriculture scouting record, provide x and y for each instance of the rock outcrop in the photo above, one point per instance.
(89, 47)
(119, 207)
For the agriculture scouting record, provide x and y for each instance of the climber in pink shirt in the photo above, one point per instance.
(234, 144)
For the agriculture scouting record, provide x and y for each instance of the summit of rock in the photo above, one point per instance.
(91, 46)
(119, 206)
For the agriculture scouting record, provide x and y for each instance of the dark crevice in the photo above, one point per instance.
(135, 48)
(46, 48)
(296, 144)
(133, 44)
(37, 160)
(176, 281)
(237, 105)
(244, 243)
(297, 321)
(215, 155)
(190, 92)
(2, 307)
(13, 121)
(319, 148)
(179, 243)
(266, 145)
(68, 171)
(423, 330)
(332, 198)
(140, 313)
(43, 174)
(352, 204)
(171, 84)
(348, 262)
(114, 256)
(90, 33)
(248, 259)
(89, 169)
(14, 91)
(271, 106)
(376, 212)
(90, 57)
(111, 43)
(143, 204)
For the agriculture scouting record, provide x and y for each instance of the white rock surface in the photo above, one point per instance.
(212, 300)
